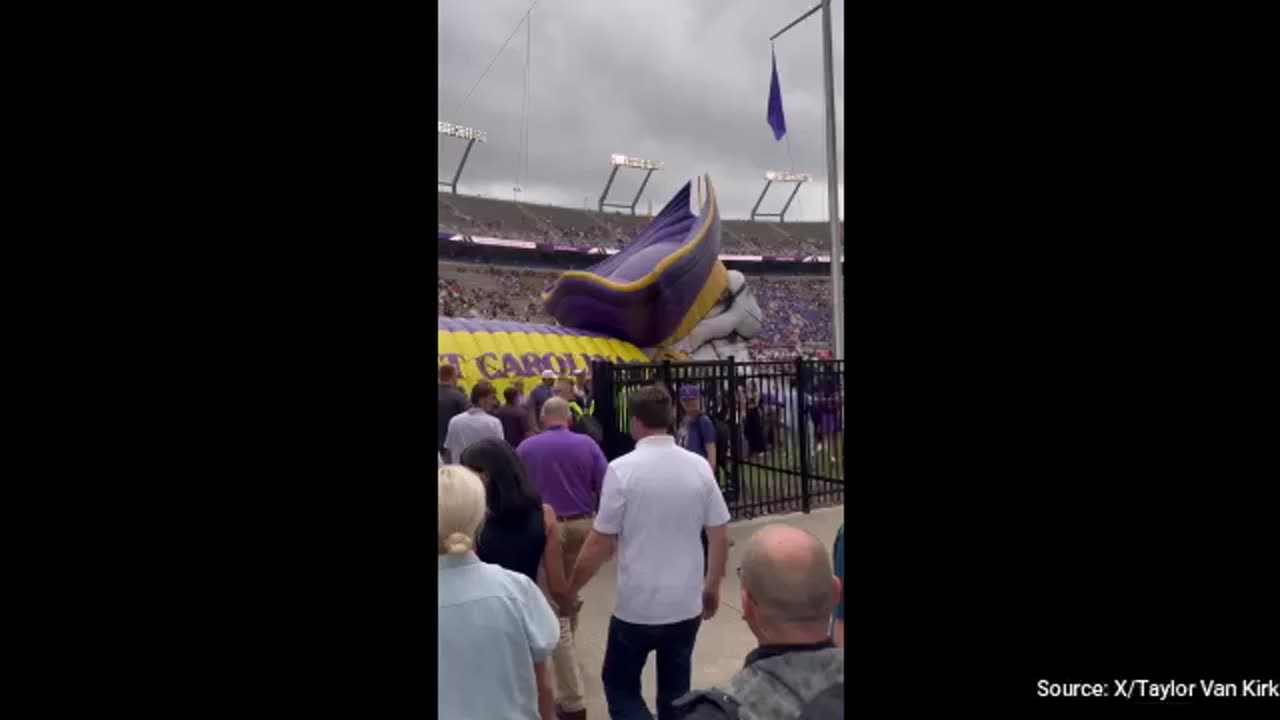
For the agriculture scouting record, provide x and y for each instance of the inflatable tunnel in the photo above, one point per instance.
(503, 352)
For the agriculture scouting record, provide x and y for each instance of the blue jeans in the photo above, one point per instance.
(625, 655)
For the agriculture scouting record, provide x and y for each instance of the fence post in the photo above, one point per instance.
(735, 478)
(802, 421)
(606, 405)
(675, 399)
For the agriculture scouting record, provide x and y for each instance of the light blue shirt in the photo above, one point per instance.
(494, 625)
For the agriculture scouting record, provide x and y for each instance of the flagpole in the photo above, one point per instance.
(833, 184)
(798, 20)
(833, 170)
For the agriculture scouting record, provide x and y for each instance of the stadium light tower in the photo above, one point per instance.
(471, 135)
(621, 161)
(772, 177)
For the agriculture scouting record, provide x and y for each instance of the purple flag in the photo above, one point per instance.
(776, 119)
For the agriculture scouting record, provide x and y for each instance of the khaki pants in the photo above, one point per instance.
(564, 661)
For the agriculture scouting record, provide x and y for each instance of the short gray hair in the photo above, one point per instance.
(555, 407)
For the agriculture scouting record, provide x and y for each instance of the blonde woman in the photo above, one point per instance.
(496, 628)
(523, 535)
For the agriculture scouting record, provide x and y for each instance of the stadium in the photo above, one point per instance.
(528, 285)
(668, 354)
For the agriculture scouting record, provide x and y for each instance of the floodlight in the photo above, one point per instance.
(471, 135)
(618, 160)
(776, 176)
(633, 162)
(460, 131)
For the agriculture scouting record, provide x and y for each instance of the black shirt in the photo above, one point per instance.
(450, 401)
(515, 423)
(515, 545)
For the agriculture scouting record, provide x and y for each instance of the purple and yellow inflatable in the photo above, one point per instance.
(503, 352)
(666, 294)
(658, 288)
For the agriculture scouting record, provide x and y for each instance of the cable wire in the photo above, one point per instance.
(506, 42)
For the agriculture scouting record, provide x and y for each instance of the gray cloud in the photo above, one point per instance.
(681, 81)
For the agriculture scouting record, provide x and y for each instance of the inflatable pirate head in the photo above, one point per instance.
(667, 291)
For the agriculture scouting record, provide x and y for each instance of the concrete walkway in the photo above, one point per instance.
(723, 642)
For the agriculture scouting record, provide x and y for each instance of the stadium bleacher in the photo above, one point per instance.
(494, 218)
(507, 219)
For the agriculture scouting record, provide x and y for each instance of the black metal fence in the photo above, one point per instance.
(781, 422)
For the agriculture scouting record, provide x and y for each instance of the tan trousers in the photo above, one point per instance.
(564, 661)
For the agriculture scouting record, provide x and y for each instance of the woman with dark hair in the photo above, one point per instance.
(521, 534)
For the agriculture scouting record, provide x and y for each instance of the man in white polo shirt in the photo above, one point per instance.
(654, 505)
(475, 424)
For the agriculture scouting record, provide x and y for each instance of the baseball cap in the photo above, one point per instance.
(690, 392)
(548, 375)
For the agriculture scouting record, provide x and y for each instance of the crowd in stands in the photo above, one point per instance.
(573, 237)
(589, 237)
(797, 312)
(762, 351)
(493, 293)
(487, 217)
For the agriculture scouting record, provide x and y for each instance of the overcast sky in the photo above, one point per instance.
(685, 82)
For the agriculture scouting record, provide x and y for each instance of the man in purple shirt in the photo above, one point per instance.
(516, 425)
(568, 470)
